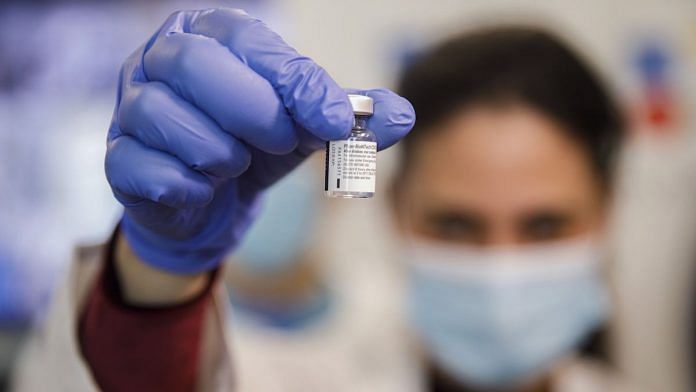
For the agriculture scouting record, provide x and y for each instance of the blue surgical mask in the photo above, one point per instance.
(499, 318)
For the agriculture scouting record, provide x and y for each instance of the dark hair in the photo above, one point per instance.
(515, 64)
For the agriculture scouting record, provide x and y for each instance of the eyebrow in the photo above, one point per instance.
(465, 215)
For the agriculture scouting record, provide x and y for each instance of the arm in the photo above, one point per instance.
(211, 111)
(141, 328)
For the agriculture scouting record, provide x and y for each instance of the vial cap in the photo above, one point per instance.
(362, 104)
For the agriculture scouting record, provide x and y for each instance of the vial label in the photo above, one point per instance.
(351, 166)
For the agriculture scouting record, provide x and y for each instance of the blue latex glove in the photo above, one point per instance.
(212, 110)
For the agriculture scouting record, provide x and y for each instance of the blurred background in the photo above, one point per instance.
(58, 67)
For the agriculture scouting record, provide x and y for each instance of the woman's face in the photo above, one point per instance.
(499, 176)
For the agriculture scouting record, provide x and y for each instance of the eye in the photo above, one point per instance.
(456, 227)
(545, 227)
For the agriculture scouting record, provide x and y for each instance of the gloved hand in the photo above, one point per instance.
(212, 110)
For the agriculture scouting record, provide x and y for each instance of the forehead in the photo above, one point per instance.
(509, 155)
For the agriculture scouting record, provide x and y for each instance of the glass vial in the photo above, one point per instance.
(351, 164)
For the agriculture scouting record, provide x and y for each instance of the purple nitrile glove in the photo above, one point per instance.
(212, 110)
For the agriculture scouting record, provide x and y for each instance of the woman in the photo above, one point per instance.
(501, 198)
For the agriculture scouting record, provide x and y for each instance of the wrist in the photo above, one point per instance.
(144, 285)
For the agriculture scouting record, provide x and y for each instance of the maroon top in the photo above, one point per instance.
(131, 348)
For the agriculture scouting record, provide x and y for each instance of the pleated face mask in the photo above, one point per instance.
(495, 318)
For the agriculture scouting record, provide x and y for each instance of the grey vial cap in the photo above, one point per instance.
(362, 104)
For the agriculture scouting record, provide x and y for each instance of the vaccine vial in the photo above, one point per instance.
(351, 164)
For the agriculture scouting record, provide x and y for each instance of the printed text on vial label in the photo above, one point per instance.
(352, 166)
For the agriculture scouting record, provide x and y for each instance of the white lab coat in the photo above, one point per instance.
(352, 351)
